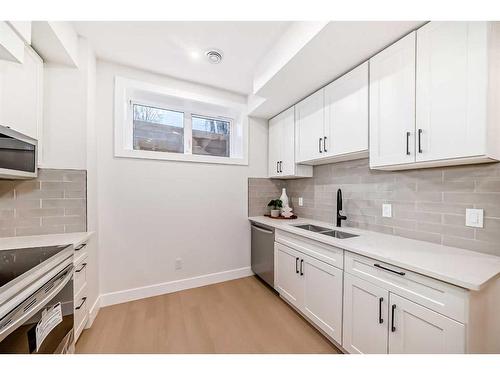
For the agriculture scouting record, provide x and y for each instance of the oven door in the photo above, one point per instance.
(43, 323)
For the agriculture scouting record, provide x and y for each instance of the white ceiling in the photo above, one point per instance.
(166, 47)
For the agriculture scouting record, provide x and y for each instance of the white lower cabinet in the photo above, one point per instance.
(312, 286)
(288, 281)
(418, 330)
(377, 321)
(365, 316)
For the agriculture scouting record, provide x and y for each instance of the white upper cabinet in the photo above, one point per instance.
(445, 114)
(309, 127)
(21, 92)
(452, 82)
(418, 330)
(282, 148)
(392, 104)
(346, 116)
(332, 124)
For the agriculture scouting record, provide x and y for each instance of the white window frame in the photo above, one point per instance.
(129, 92)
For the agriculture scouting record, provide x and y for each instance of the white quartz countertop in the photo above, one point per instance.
(464, 268)
(74, 239)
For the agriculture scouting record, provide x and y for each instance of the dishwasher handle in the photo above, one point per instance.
(262, 229)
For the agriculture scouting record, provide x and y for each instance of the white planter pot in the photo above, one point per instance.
(275, 213)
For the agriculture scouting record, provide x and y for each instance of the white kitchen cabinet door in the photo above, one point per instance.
(392, 104)
(288, 279)
(288, 167)
(346, 113)
(452, 81)
(418, 330)
(365, 326)
(21, 91)
(309, 127)
(322, 301)
(275, 146)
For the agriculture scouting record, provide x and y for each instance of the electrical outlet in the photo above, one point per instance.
(301, 201)
(387, 210)
(474, 217)
(178, 263)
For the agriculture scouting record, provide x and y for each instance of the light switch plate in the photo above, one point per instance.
(387, 210)
(474, 217)
(301, 201)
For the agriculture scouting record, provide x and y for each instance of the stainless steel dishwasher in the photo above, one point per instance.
(263, 252)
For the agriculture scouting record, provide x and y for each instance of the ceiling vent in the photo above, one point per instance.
(214, 56)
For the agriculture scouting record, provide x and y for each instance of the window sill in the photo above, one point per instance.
(157, 155)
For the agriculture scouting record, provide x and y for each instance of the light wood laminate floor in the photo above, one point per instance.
(238, 316)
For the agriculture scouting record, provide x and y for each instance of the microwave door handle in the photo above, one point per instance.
(19, 321)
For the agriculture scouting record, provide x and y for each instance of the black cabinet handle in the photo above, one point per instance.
(324, 144)
(81, 246)
(296, 265)
(319, 146)
(277, 167)
(419, 141)
(281, 166)
(380, 319)
(401, 273)
(393, 327)
(301, 265)
(81, 304)
(407, 143)
(81, 268)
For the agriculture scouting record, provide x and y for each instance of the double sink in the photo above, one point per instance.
(325, 231)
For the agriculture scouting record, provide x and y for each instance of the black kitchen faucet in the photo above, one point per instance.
(339, 208)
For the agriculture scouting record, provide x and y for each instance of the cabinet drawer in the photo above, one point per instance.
(326, 253)
(81, 313)
(436, 295)
(80, 275)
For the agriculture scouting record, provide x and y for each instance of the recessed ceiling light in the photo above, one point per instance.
(195, 55)
(214, 56)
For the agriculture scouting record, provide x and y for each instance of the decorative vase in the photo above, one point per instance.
(284, 198)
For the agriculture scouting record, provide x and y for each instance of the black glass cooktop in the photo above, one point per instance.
(13, 263)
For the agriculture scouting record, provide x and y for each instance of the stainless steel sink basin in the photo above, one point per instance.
(338, 234)
(325, 231)
(312, 228)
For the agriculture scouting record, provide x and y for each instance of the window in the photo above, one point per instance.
(156, 123)
(157, 129)
(211, 136)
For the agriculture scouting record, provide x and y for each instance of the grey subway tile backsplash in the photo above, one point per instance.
(55, 202)
(427, 204)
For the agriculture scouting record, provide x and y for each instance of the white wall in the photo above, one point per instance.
(152, 212)
(65, 104)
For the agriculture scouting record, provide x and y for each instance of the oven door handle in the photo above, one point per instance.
(33, 304)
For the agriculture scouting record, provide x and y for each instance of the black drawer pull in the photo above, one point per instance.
(80, 247)
(81, 304)
(393, 327)
(296, 265)
(81, 268)
(324, 144)
(301, 267)
(380, 319)
(407, 143)
(319, 146)
(388, 269)
(420, 141)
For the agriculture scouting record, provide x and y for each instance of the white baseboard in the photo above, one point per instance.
(114, 298)
(93, 311)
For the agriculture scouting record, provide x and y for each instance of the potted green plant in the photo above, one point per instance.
(276, 205)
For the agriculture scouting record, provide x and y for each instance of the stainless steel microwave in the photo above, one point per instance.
(18, 155)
